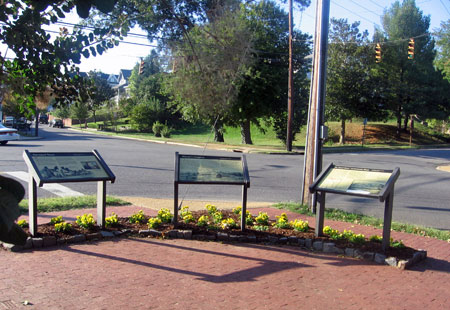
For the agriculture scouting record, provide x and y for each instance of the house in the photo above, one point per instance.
(122, 86)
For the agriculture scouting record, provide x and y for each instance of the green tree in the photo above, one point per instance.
(442, 60)
(263, 89)
(349, 84)
(407, 88)
(39, 62)
(98, 91)
(208, 66)
(80, 111)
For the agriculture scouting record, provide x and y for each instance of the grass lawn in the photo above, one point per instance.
(377, 135)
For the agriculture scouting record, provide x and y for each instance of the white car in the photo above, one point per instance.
(8, 134)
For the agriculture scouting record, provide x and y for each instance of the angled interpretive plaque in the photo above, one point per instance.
(64, 167)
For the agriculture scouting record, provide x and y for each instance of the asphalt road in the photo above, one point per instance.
(145, 169)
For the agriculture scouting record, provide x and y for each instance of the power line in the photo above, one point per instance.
(445, 7)
(370, 21)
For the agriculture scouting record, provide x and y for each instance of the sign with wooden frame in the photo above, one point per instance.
(65, 167)
(211, 170)
(361, 182)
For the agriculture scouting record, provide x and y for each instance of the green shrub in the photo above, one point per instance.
(56, 220)
(22, 223)
(164, 215)
(228, 223)
(211, 209)
(300, 225)
(262, 219)
(203, 221)
(137, 218)
(282, 221)
(237, 210)
(154, 222)
(157, 128)
(63, 227)
(112, 220)
(166, 131)
(86, 221)
(218, 216)
(261, 227)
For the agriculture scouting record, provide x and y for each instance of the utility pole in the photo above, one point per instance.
(316, 131)
(290, 84)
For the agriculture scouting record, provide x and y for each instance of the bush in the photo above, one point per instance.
(23, 223)
(164, 215)
(56, 220)
(157, 128)
(112, 220)
(154, 222)
(63, 227)
(262, 219)
(86, 221)
(166, 131)
(300, 225)
(137, 218)
(203, 221)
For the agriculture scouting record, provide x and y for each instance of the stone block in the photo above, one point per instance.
(318, 245)
(198, 237)
(329, 247)
(292, 240)
(368, 256)
(180, 234)
(234, 237)
(76, 239)
(349, 252)
(211, 237)
(308, 243)
(380, 258)
(282, 240)
(94, 236)
(106, 234)
(49, 241)
(144, 232)
(243, 238)
(38, 242)
(358, 254)
(391, 261)
(273, 239)
(155, 233)
(221, 236)
(251, 238)
(301, 242)
(173, 233)
(29, 243)
(187, 234)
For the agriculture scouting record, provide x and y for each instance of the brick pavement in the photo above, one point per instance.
(146, 273)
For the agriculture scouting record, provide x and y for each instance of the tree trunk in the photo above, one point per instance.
(342, 135)
(218, 133)
(399, 121)
(245, 133)
(95, 119)
(36, 124)
(405, 123)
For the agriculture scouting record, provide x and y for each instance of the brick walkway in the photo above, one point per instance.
(184, 274)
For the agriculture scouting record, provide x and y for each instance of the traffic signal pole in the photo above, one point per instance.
(315, 127)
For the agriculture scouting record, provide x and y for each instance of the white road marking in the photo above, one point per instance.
(57, 189)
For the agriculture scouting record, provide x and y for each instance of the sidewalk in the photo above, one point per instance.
(148, 273)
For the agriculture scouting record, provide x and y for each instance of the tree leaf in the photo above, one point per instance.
(105, 6)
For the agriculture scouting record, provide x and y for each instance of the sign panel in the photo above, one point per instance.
(68, 167)
(355, 181)
(211, 169)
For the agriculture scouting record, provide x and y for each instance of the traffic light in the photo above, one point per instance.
(141, 67)
(378, 53)
(411, 49)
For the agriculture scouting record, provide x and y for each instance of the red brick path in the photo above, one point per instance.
(184, 274)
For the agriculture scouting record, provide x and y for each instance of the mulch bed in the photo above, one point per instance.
(124, 224)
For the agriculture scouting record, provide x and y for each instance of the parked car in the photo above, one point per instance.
(43, 119)
(9, 121)
(56, 123)
(7, 134)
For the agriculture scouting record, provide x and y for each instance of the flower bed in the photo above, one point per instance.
(223, 225)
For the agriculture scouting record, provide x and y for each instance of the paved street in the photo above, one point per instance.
(146, 169)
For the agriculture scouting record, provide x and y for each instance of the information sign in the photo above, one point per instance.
(363, 182)
(219, 170)
(63, 167)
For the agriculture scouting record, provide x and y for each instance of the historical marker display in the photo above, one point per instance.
(361, 181)
(68, 167)
(201, 169)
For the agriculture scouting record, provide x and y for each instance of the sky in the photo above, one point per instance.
(368, 12)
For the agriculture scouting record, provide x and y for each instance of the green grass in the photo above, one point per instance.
(201, 134)
(69, 203)
(343, 216)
